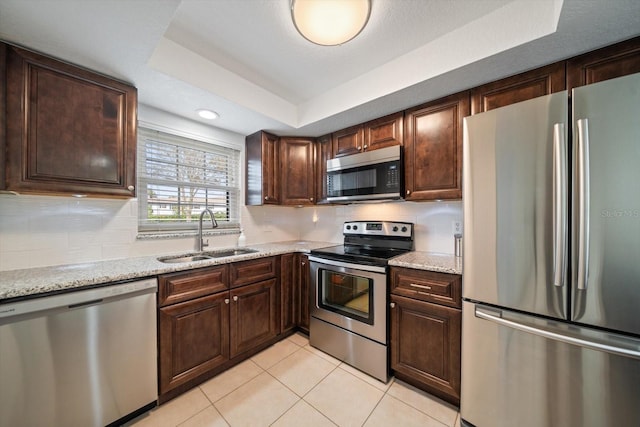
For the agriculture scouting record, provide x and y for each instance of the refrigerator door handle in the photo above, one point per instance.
(631, 349)
(559, 205)
(582, 147)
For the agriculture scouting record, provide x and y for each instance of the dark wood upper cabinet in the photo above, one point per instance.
(521, 87)
(324, 152)
(433, 148)
(348, 141)
(262, 169)
(297, 157)
(618, 60)
(384, 132)
(68, 130)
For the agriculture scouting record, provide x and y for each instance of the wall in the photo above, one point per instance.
(37, 231)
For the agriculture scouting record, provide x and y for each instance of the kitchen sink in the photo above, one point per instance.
(206, 255)
(230, 252)
(179, 259)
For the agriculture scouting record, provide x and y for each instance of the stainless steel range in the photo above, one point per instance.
(349, 290)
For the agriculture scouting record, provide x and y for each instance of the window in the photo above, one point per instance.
(179, 177)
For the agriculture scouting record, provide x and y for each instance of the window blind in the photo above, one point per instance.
(179, 177)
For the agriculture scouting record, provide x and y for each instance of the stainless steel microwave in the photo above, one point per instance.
(372, 175)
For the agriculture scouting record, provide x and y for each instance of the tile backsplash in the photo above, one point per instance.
(37, 231)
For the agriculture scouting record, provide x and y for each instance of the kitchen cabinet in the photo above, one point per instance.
(193, 325)
(426, 321)
(324, 152)
(255, 305)
(212, 318)
(348, 141)
(304, 292)
(433, 148)
(618, 60)
(297, 156)
(379, 133)
(262, 169)
(384, 132)
(67, 130)
(288, 292)
(521, 87)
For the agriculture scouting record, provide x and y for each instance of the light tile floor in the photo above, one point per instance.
(293, 384)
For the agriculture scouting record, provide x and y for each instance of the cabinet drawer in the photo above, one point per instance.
(255, 270)
(178, 287)
(440, 288)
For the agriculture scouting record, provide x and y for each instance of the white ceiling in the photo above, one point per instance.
(245, 60)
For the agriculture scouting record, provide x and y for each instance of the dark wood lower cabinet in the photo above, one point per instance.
(194, 339)
(303, 281)
(288, 293)
(425, 346)
(255, 315)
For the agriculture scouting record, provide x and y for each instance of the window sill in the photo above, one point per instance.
(183, 234)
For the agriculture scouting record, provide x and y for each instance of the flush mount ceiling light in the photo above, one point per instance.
(330, 22)
(208, 114)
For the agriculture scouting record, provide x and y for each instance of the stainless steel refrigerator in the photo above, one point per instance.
(551, 267)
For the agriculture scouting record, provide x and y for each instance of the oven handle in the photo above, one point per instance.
(371, 268)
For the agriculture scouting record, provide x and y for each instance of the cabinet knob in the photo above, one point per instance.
(131, 188)
(392, 305)
(365, 146)
(359, 148)
(266, 197)
(311, 199)
(235, 297)
(226, 300)
(408, 192)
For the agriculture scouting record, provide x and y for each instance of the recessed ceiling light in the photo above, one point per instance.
(208, 114)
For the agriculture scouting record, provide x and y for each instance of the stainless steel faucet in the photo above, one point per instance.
(214, 224)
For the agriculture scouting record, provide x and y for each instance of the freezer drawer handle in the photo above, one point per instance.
(559, 205)
(494, 315)
(583, 202)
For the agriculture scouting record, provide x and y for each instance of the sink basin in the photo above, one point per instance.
(180, 259)
(206, 255)
(230, 252)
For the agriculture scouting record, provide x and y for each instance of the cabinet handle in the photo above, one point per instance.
(131, 188)
(235, 297)
(413, 285)
(392, 305)
(226, 300)
(304, 263)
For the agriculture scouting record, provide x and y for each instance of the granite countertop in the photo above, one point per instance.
(432, 261)
(46, 280)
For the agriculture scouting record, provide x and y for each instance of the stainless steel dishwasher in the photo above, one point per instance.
(84, 358)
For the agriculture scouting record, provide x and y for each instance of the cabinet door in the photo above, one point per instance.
(304, 295)
(324, 152)
(262, 166)
(433, 149)
(288, 292)
(69, 130)
(521, 87)
(255, 314)
(425, 346)
(194, 339)
(298, 171)
(348, 141)
(384, 132)
(603, 64)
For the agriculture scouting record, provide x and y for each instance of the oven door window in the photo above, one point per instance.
(346, 294)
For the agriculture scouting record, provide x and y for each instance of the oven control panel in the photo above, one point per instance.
(378, 228)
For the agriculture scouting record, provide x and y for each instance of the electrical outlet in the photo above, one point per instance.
(456, 227)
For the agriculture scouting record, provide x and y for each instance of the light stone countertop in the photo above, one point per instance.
(432, 261)
(46, 280)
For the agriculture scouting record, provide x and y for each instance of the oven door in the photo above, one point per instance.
(350, 296)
